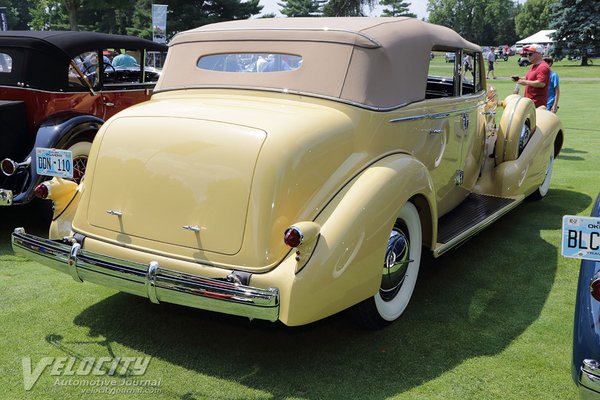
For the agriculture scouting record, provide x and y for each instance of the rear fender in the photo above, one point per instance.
(65, 196)
(56, 133)
(346, 265)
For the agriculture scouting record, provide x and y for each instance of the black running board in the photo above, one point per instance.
(477, 212)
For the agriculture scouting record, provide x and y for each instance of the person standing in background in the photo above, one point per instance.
(537, 78)
(491, 58)
(553, 87)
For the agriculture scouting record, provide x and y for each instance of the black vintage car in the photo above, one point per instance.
(57, 88)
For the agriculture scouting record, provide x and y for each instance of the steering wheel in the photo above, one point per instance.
(89, 69)
(107, 65)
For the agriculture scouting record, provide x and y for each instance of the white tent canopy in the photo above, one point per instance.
(542, 37)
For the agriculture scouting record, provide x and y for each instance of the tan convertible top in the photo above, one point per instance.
(375, 62)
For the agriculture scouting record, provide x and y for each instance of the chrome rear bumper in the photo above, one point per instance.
(149, 280)
(589, 380)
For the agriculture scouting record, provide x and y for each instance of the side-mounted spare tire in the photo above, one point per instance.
(516, 127)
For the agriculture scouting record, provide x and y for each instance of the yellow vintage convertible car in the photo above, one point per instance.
(287, 169)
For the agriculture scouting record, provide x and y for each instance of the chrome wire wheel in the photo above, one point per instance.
(81, 151)
(524, 137)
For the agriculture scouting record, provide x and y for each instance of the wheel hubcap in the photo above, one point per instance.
(395, 265)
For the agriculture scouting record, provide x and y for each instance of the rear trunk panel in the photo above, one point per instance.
(161, 182)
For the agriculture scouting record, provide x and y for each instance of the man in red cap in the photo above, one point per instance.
(537, 78)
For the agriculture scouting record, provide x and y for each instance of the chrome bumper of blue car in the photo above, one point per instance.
(149, 280)
(589, 380)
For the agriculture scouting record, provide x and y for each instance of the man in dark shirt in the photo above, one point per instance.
(537, 78)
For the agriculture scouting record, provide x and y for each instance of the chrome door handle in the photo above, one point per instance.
(436, 131)
(108, 104)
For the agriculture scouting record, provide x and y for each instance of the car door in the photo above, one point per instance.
(449, 121)
(84, 79)
(123, 84)
(472, 95)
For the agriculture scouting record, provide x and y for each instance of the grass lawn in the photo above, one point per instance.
(489, 320)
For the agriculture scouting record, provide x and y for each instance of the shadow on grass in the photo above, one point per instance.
(567, 154)
(471, 302)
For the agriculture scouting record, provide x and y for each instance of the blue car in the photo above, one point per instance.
(586, 335)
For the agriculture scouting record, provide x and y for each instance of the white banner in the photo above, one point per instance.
(159, 23)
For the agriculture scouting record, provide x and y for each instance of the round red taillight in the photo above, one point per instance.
(8, 166)
(41, 191)
(293, 237)
(595, 288)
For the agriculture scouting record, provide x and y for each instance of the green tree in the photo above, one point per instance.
(188, 14)
(577, 24)
(72, 7)
(141, 20)
(534, 16)
(110, 16)
(486, 22)
(346, 8)
(397, 8)
(48, 15)
(132, 17)
(300, 8)
(17, 13)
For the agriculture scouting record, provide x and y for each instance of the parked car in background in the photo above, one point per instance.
(291, 168)
(56, 90)
(523, 61)
(450, 57)
(586, 332)
(502, 53)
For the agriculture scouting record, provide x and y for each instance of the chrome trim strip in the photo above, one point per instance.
(368, 38)
(439, 115)
(73, 92)
(159, 284)
(286, 91)
(442, 248)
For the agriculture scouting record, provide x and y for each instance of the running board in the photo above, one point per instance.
(476, 213)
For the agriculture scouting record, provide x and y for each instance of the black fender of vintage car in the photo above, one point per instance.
(347, 260)
(586, 330)
(57, 131)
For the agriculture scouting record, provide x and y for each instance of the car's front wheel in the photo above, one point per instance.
(399, 275)
(543, 189)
